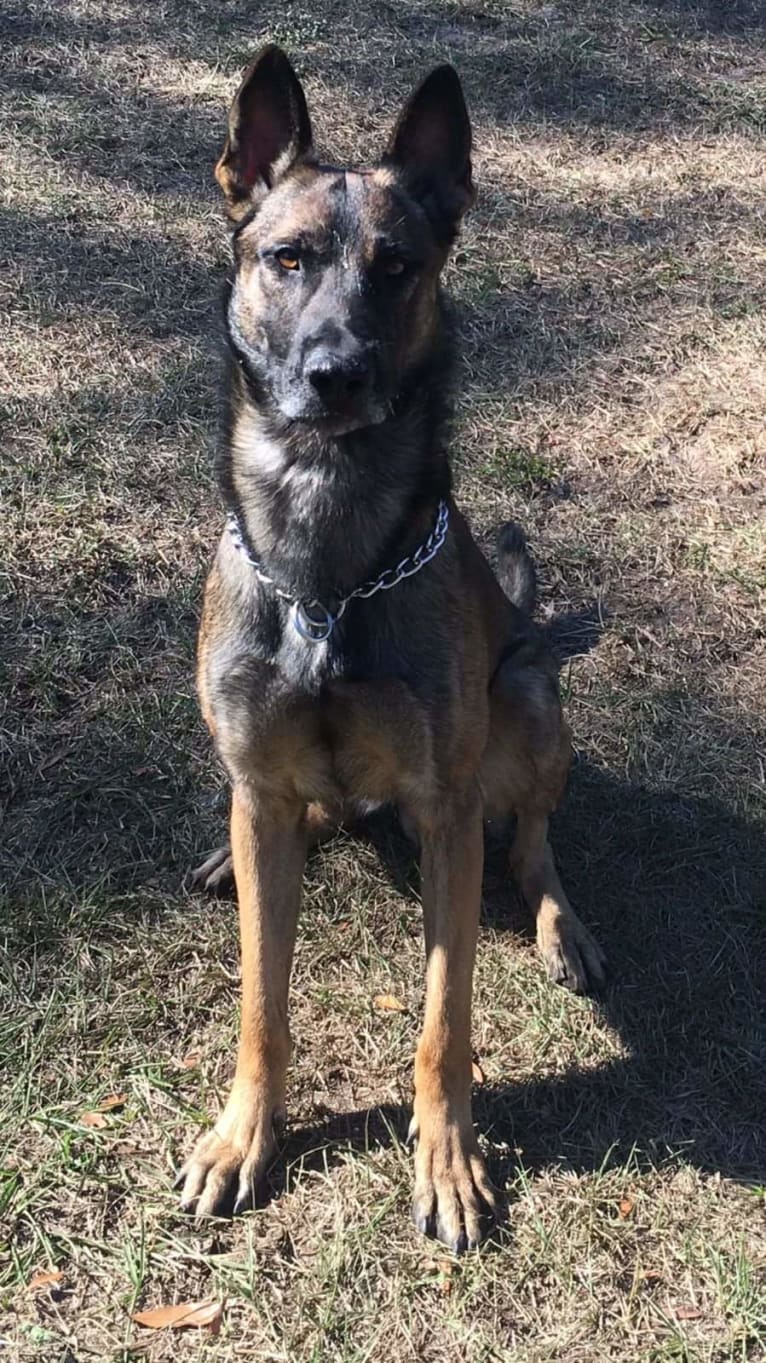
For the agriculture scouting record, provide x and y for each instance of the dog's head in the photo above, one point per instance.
(335, 300)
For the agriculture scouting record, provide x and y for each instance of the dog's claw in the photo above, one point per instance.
(458, 1244)
(215, 876)
(574, 959)
(235, 1155)
(423, 1222)
(454, 1200)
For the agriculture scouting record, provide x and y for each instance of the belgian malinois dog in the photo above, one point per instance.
(355, 646)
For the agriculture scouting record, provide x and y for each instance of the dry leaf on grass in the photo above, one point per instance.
(94, 1119)
(442, 1273)
(477, 1072)
(45, 1279)
(688, 1313)
(626, 1206)
(114, 1101)
(192, 1060)
(388, 1003)
(185, 1315)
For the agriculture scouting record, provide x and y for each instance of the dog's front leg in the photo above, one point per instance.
(268, 841)
(453, 1194)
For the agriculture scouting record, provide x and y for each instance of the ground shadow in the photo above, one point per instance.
(717, 16)
(75, 271)
(104, 787)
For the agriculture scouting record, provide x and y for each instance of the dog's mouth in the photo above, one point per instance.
(340, 419)
(338, 423)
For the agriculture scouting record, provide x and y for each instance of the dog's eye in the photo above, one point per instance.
(288, 259)
(394, 265)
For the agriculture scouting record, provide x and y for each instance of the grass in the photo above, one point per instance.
(610, 290)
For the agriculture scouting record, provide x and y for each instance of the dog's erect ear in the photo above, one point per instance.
(432, 141)
(269, 128)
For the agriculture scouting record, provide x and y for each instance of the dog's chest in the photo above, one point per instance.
(349, 719)
(345, 741)
(369, 643)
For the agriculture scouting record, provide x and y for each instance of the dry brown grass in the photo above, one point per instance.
(611, 290)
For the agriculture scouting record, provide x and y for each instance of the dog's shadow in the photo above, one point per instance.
(675, 889)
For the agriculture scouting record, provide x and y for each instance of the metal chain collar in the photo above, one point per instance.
(315, 622)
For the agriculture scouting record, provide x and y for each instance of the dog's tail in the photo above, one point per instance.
(515, 569)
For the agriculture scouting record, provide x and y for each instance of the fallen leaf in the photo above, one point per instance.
(114, 1100)
(45, 1279)
(477, 1072)
(192, 1060)
(626, 1206)
(95, 1119)
(187, 1315)
(388, 1003)
(440, 1272)
(688, 1313)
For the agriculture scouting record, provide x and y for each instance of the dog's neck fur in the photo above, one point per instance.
(324, 514)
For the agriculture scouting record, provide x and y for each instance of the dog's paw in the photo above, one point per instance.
(454, 1200)
(223, 1173)
(572, 956)
(215, 876)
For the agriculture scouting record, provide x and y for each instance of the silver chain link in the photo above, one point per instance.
(305, 613)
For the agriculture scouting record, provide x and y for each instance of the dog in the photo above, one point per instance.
(356, 648)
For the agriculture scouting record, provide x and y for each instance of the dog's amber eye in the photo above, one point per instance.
(288, 259)
(394, 265)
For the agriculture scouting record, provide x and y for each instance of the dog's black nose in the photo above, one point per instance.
(338, 379)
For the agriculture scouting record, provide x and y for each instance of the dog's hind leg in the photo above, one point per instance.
(572, 955)
(216, 874)
(524, 772)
